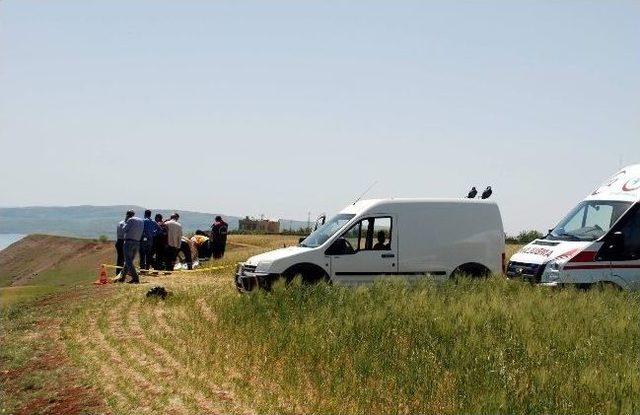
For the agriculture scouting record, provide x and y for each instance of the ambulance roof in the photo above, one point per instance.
(624, 185)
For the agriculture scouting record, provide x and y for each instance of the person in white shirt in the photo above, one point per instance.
(174, 238)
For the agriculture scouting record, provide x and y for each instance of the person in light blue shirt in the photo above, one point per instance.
(119, 247)
(149, 231)
(133, 228)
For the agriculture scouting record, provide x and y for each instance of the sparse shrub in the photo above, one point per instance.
(524, 237)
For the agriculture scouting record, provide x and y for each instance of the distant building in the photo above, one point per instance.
(258, 225)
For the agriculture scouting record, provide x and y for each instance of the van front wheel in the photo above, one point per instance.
(308, 273)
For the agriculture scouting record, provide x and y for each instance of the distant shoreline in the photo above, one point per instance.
(7, 239)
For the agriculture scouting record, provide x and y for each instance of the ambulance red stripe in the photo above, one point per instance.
(584, 256)
(602, 266)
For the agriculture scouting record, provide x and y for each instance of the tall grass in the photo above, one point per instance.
(476, 347)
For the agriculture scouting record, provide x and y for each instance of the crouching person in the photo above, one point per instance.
(202, 244)
(187, 250)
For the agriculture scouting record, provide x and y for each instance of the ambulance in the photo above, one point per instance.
(597, 243)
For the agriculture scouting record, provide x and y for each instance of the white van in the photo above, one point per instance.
(382, 237)
(597, 242)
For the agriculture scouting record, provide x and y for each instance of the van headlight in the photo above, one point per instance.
(263, 266)
(554, 266)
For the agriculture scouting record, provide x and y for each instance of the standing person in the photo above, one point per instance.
(174, 238)
(146, 244)
(133, 228)
(119, 247)
(219, 231)
(160, 244)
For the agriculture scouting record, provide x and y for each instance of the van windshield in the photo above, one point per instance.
(326, 231)
(589, 220)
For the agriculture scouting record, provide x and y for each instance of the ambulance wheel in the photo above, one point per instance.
(606, 285)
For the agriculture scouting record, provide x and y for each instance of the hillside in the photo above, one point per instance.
(51, 260)
(41, 264)
(92, 221)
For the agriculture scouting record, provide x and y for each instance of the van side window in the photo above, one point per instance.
(370, 234)
(353, 237)
(375, 234)
(630, 228)
(381, 234)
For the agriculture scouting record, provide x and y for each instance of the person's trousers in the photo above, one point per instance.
(171, 254)
(119, 255)
(204, 250)
(159, 254)
(217, 249)
(186, 250)
(131, 249)
(146, 253)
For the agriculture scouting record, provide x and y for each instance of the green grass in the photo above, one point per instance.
(487, 346)
(11, 296)
(479, 347)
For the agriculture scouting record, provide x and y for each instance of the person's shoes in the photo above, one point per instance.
(134, 282)
(118, 278)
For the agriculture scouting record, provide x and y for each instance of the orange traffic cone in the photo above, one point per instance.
(102, 279)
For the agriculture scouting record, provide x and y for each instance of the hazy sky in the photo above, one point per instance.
(280, 108)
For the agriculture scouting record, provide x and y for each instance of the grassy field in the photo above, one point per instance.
(491, 346)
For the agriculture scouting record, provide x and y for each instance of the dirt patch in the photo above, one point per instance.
(46, 381)
(67, 400)
(59, 391)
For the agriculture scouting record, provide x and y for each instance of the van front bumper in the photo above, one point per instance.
(246, 279)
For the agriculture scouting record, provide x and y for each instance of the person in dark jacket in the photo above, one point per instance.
(219, 231)
(160, 244)
(146, 244)
(119, 247)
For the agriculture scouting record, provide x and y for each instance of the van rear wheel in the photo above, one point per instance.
(471, 270)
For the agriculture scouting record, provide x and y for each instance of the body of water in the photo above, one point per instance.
(7, 239)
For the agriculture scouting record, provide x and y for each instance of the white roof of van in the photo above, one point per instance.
(624, 185)
(366, 204)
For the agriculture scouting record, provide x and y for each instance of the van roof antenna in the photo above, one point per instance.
(365, 192)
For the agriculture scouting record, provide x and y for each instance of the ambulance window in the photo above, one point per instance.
(589, 220)
(631, 230)
(599, 215)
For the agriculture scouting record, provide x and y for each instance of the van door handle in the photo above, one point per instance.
(388, 256)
